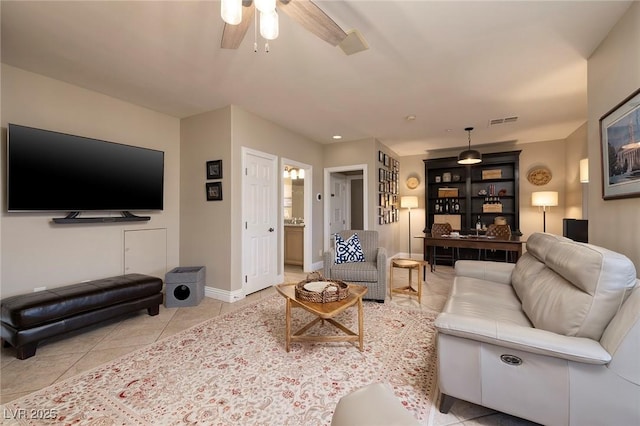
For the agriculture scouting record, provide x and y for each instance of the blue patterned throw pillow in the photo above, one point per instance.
(349, 250)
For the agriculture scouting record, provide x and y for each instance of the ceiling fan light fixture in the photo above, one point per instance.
(469, 156)
(265, 6)
(231, 11)
(269, 25)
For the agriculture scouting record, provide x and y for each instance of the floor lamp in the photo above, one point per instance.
(408, 202)
(544, 199)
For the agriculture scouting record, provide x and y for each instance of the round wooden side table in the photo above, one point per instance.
(409, 264)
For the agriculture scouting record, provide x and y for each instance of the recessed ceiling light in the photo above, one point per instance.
(410, 117)
(336, 137)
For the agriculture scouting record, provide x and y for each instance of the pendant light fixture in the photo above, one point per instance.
(469, 156)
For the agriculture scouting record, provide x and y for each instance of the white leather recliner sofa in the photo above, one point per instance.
(554, 338)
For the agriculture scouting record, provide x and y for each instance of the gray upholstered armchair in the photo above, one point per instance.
(372, 272)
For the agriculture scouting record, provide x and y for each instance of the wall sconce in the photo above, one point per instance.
(544, 199)
(584, 170)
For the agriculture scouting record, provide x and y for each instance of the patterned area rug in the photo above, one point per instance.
(234, 370)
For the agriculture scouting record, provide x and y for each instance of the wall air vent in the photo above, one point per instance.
(505, 120)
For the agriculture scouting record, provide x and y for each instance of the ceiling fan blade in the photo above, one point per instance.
(310, 16)
(232, 35)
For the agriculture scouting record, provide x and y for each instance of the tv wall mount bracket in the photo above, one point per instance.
(72, 217)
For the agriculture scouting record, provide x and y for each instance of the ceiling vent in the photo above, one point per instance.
(505, 120)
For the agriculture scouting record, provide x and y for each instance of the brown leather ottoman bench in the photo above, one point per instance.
(30, 318)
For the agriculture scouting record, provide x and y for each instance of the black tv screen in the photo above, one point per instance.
(51, 171)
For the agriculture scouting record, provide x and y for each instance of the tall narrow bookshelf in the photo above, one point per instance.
(451, 184)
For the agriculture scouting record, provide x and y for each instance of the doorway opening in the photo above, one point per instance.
(296, 203)
(345, 194)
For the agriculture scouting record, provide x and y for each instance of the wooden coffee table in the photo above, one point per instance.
(324, 311)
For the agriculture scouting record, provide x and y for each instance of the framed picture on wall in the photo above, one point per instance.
(214, 169)
(620, 148)
(214, 191)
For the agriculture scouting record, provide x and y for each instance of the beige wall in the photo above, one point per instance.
(251, 131)
(389, 234)
(212, 230)
(205, 226)
(36, 252)
(534, 155)
(365, 151)
(575, 150)
(412, 166)
(613, 74)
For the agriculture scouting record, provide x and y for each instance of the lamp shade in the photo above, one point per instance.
(409, 202)
(469, 156)
(584, 170)
(544, 198)
(269, 25)
(265, 6)
(231, 11)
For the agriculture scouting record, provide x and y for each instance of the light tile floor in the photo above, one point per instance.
(63, 357)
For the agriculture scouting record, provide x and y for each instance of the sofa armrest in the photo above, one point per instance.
(527, 339)
(500, 272)
(381, 262)
(328, 259)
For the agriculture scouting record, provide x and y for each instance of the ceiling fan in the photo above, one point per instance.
(304, 12)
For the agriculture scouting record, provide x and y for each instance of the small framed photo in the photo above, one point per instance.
(381, 156)
(214, 169)
(619, 136)
(214, 191)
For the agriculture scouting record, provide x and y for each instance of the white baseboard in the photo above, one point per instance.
(231, 296)
(224, 295)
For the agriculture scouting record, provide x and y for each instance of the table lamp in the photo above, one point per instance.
(544, 199)
(409, 202)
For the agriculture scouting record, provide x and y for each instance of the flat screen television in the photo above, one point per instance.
(51, 171)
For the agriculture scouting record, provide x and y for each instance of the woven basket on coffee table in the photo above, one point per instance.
(333, 291)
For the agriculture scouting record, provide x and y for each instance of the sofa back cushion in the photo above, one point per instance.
(572, 288)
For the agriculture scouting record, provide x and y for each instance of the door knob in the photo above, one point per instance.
(271, 229)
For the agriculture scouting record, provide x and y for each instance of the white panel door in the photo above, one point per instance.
(338, 219)
(145, 252)
(260, 219)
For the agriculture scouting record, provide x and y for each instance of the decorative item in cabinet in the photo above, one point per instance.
(492, 208)
(447, 192)
(492, 174)
(446, 177)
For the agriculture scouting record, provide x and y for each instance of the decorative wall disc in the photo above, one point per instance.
(413, 182)
(539, 176)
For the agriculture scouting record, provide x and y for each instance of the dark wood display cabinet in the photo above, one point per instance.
(462, 195)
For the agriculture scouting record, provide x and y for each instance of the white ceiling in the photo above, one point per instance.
(452, 64)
